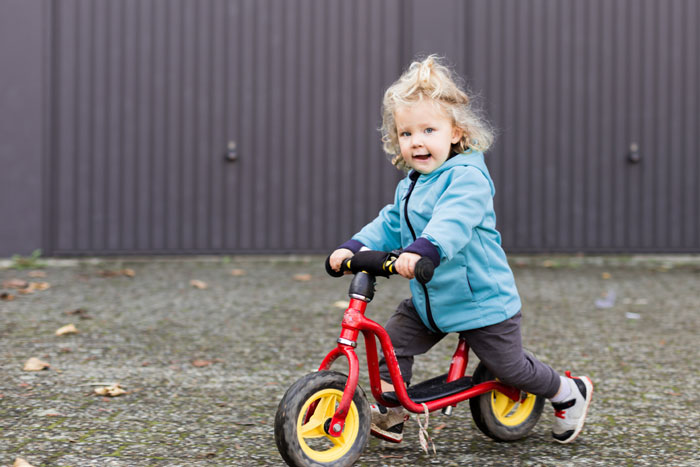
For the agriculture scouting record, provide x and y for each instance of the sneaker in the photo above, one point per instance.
(387, 423)
(570, 415)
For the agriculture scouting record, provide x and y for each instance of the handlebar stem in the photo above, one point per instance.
(362, 287)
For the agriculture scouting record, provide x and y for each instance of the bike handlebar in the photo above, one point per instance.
(380, 263)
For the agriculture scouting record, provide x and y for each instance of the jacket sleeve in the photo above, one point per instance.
(460, 208)
(384, 232)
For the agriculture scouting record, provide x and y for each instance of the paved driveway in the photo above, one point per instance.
(204, 369)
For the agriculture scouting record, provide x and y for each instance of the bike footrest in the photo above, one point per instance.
(431, 389)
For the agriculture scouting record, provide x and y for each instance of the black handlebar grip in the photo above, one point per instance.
(424, 270)
(331, 272)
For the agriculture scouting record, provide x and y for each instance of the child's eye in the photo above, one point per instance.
(429, 130)
(405, 133)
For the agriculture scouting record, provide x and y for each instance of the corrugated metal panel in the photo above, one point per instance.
(571, 85)
(146, 96)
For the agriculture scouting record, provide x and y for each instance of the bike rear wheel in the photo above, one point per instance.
(498, 416)
(303, 418)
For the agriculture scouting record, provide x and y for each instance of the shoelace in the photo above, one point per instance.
(423, 435)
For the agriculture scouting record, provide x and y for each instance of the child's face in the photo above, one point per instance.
(426, 134)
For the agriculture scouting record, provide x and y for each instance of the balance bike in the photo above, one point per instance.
(324, 418)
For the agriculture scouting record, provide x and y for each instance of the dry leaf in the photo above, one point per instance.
(606, 275)
(111, 391)
(19, 462)
(36, 274)
(34, 364)
(15, 284)
(341, 304)
(198, 284)
(122, 272)
(237, 272)
(7, 296)
(77, 311)
(67, 329)
(128, 272)
(201, 363)
(108, 273)
(80, 312)
(302, 277)
(34, 286)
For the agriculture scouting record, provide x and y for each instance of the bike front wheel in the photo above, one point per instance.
(498, 416)
(303, 419)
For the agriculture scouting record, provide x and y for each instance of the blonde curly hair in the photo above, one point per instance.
(430, 79)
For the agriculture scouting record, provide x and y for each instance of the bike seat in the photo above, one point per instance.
(431, 389)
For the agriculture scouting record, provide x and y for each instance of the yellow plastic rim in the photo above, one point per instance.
(509, 412)
(328, 401)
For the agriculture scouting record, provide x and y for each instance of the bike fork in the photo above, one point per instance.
(338, 421)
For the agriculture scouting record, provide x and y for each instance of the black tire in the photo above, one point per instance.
(498, 417)
(295, 417)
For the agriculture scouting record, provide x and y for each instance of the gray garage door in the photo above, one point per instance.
(596, 105)
(151, 97)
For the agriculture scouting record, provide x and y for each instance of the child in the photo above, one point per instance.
(443, 210)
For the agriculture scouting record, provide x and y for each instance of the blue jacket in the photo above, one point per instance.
(452, 209)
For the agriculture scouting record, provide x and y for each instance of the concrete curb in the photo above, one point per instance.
(534, 260)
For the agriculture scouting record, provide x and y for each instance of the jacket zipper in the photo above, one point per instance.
(414, 177)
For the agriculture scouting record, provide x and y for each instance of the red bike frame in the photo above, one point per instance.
(354, 322)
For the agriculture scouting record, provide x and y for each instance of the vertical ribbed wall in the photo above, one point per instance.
(570, 86)
(147, 94)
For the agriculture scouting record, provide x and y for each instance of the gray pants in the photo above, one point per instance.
(498, 346)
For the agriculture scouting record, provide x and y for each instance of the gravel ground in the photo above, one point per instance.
(204, 369)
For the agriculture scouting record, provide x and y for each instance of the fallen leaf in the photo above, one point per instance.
(34, 364)
(77, 311)
(302, 277)
(7, 296)
(19, 462)
(111, 391)
(122, 272)
(107, 273)
(34, 286)
(201, 363)
(15, 284)
(36, 274)
(606, 275)
(238, 272)
(548, 263)
(50, 413)
(80, 313)
(440, 427)
(197, 284)
(341, 304)
(67, 329)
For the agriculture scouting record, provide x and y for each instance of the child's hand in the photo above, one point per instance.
(406, 264)
(338, 256)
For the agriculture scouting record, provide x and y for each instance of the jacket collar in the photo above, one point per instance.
(469, 157)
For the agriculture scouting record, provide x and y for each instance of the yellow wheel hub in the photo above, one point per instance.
(509, 412)
(311, 433)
